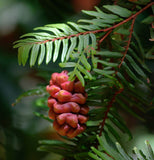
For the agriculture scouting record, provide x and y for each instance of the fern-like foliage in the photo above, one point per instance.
(111, 150)
(105, 53)
(69, 40)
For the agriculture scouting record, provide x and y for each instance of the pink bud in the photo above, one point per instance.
(51, 101)
(68, 86)
(62, 77)
(78, 88)
(64, 129)
(84, 110)
(72, 120)
(62, 118)
(53, 90)
(54, 77)
(78, 98)
(70, 133)
(66, 108)
(64, 96)
(58, 108)
(75, 108)
(73, 133)
(50, 82)
(82, 119)
(47, 88)
(51, 114)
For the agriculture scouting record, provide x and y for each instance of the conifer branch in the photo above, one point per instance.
(100, 30)
(115, 64)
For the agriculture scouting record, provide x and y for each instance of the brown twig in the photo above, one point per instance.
(119, 91)
(102, 39)
(108, 109)
(128, 43)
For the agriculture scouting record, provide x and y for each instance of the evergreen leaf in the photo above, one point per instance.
(122, 152)
(80, 77)
(131, 74)
(72, 46)
(150, 151)
(84, 71)
(108, 149)
(95, 157)
(81, 44)
(64, 27)
(71, 76)
(94, 62)
(85, 62)
(142, 154)
(76, 26)
(67, 64)
(99, 82)
(123, 79)
(135, 66)
(64, 50)
(96, 114)
(113, 131)
(127, 108)
(103, 72)
(62, 151)
(20, 51)
(25, 53)
(86, 41)
(149, 55)
(122, 31)
(148, 20)
(117, 120)
(56, 32)
(37, 91)
(56, 51)
(56, 143)
(93, 41)
(98, 22)
(42, 54)
(105, 63)
(31, 40)
(49, 46)
(101, 154)
(39, 35)
(137, 58)
(101, 14)
(123, 12)
(135, 150)
(140, 46)
(109, 54)
(90, 27)
(34, 54)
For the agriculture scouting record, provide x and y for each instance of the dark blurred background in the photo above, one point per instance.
(20, 129)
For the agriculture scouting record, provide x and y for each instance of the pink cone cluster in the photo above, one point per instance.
(67, 105)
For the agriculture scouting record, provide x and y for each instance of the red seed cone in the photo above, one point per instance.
(67, 105)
